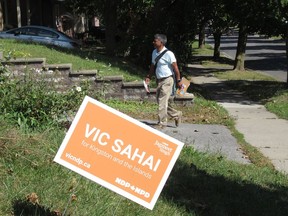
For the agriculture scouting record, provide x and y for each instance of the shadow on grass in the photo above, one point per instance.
(232, 90)
(25, 208)
(99, 53)
(216, 66)
(260, 91)
(206, 195)
(220, 60)
(239, 91)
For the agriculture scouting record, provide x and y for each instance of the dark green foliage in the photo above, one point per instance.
(32, 102)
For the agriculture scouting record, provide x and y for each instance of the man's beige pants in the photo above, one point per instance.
(163, 93)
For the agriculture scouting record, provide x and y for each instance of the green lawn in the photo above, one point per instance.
(258, 86)
(200, 184)
(80, 59)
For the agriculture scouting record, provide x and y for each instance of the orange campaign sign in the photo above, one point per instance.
(118, 152)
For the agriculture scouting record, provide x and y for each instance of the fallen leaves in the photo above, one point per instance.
(32, 198)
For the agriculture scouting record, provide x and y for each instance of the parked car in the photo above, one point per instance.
(41, 34)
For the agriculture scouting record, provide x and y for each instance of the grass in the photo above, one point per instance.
(279, 105)
(206, 51)
(261, 88)
(258, 86)
(80, 59)
(200, 184)
(272, 94)
(202, 111)
(26, 169)
(244, 75)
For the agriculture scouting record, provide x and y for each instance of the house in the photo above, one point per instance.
(17, 13)
(49, 13)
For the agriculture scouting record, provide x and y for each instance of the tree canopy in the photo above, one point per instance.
(135, 22)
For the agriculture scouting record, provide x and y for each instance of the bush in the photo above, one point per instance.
(27, 100)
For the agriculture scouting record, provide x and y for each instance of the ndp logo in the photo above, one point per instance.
(132, 187)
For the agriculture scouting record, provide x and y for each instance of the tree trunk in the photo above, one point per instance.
(239, 63)
(202, 35)
(286, 39)
(217, 41)
(19, 23)
(283, 13)
(110, 15)
(28, 13)
(1, 17)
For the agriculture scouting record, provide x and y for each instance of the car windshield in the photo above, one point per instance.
(46, 33)
(63, 34)
(34, 32)
(14, 31)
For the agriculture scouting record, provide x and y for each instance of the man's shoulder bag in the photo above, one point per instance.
(159, 57)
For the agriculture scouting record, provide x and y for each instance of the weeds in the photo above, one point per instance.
(29, 101)
(199, 184)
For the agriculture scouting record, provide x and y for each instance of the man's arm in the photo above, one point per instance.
(150, 74)
(177, 74)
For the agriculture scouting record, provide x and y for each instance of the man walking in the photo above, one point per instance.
(165, 68)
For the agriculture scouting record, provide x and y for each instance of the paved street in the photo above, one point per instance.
(266, 55)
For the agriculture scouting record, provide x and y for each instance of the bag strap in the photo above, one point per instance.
(159, 57)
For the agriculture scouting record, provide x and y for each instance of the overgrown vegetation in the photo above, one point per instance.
(29, 101)
(200, 184)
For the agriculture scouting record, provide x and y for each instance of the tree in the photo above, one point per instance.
(178, 19)
(120, 18)
(110, 17)
(130, 25)
(251, 16)
(102, 8)
(282, 6)
(204, 11)
(241, 12)
(1, 17)
(220, 23)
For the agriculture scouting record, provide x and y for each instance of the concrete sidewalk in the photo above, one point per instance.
(212, 139)
(260, 128)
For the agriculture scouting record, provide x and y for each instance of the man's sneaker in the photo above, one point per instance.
(178, 119)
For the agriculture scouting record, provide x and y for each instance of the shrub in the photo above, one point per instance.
(30, 102)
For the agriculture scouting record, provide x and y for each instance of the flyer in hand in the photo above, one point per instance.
(146, 86)
(184, 87)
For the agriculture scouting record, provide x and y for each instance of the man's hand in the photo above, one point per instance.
(179, 84)
(147, 80)
(177, 74)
